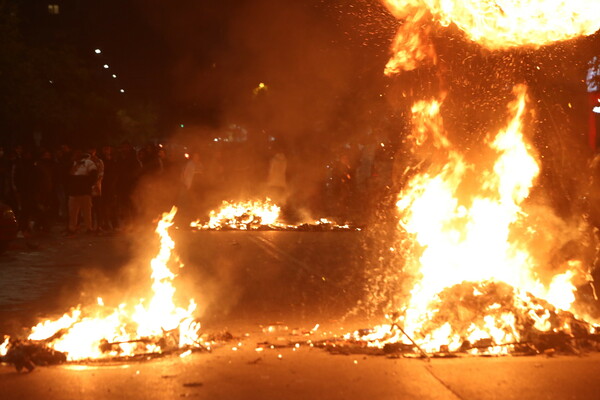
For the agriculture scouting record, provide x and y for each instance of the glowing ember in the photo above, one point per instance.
(153, 325)
(495, 24)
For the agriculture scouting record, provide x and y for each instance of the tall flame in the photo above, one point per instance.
(467, 235)
(100, 331)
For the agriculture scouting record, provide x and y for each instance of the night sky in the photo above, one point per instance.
(198, 62)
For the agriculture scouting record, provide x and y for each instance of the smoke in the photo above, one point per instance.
(246, 77)
(310, 76)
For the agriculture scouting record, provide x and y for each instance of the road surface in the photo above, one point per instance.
(243, 282)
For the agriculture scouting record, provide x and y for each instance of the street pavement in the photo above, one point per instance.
(243, 282)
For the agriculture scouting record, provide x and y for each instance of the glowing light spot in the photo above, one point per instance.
(185, 353)
(260, 88)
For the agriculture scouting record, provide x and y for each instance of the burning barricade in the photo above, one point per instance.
(259, 215)
(155, 325)
(477, 250)
(483, 281)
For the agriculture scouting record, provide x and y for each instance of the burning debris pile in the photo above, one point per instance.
(496, 314)
(477, 248)
(489, 318)
(259, 215)
(477, 285)
(156, 325)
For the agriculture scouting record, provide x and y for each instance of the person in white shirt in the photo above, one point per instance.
(82, 177)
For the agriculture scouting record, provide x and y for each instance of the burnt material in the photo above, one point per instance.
(28, 354)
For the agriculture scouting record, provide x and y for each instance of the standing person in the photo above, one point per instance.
(24, 182)
(64, 161)
(96, 189)
(189, 183)
(128, 171)
(150, 160)
(108, 220)
(46, 181)
(276, 177)
(82, 177)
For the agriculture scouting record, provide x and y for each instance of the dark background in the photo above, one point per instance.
(190, 69)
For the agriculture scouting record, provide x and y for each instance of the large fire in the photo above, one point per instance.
(495, 24)
(153, 325)
(481, 278)
(470, 237)
(476, 277)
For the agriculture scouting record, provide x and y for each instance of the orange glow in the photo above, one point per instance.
(252, 215)
(242, 215)
(475, 279)
(494, 24)
(467, 237)
(99, 331)
(411, 45)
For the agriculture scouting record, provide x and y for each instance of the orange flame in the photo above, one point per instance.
(250, 215)
(244, 215)
(465, 232)
(495, 24)
(104, 332)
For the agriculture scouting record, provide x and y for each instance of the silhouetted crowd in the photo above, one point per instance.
(85, 190)
(102, 190)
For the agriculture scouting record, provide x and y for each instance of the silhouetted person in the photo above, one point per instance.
(277, 176)
(108, 219)
(45, 169)
(82, 177)
(24, 182)
(96, 188)
(64, 161)
(128, 168)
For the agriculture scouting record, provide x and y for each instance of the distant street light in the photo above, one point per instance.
(97, 51)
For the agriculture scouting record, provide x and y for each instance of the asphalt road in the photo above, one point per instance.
(244, 281)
